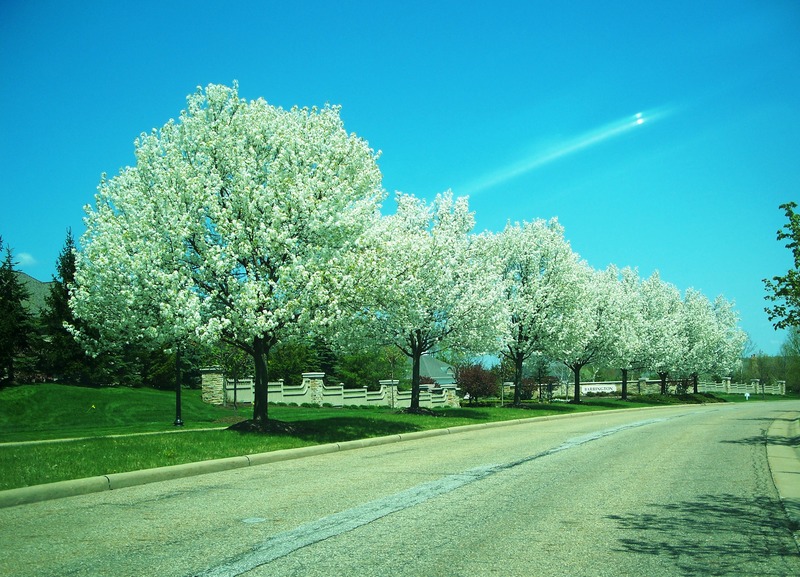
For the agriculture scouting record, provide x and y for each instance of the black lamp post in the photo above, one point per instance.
(178, 421)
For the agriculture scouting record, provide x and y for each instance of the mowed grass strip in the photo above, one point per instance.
(28, 465)
(52, 411)
(91, 416)
(49, 412)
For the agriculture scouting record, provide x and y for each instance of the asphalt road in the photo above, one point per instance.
(671, 491)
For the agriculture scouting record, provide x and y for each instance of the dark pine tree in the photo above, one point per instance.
(61, 356)
(16, 323)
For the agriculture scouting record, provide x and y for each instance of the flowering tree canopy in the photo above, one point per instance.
(246, 223)
(540, 275)
(663, 339)
(699, 334)
(226, 228)
(592, 333)
(425, 285)
(729, 339)
(628, 352)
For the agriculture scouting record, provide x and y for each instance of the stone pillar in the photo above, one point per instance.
(727, 382)
(391, 386)
(211, 379)
(315, 384)
(452, 399)
(782, 387)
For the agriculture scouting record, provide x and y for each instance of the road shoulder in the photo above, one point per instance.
(783, 454)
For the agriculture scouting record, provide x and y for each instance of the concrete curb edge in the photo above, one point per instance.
(783, 456)
(112, 481)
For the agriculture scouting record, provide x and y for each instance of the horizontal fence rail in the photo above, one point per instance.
(652, 386)
(219, 390)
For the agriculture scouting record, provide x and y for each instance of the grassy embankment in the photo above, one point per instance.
(92, 418)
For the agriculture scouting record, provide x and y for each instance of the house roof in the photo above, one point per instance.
(439, 371)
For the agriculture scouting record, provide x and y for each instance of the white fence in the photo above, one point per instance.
(646, 386)
(754, 388)
(219, 390)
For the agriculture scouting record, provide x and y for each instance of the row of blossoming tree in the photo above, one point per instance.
(248, 224)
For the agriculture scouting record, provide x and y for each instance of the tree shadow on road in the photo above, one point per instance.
(770, 419)
(760, 440)
(715, 535)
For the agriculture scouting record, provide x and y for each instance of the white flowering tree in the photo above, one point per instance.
(425, 286)
(662, 335)
(227, 228)
(591, 334)
(628, 352)
(711, 338)
(698, 335)
(730, 340)
(540, 275)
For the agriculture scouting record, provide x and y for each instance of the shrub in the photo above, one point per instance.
(476, 381)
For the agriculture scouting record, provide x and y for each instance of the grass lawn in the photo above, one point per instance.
(90, 416)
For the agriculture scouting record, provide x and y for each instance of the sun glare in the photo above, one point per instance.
(567, 147)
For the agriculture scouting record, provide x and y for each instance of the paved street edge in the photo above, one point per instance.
(784, 462)
(783, 455)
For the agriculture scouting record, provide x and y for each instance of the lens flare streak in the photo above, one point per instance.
(577, 144)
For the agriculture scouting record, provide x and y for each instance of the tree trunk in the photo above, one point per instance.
(415, 362)
(663, 377)
(260, 354)
(694, 383)
(624, 384)
(576, 370)
(519, 359)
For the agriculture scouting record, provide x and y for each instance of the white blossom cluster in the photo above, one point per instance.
(227, 226)
(425, 284)
(248, 223)
(560, 308)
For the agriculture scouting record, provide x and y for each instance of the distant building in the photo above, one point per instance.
(441, 373)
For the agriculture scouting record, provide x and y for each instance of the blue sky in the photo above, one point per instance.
(529, 107)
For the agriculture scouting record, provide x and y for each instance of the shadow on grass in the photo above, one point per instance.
(334, 429)
(714, 535)
(329, 429)
(472, 414)
(615, 404)
(545, 407)
(672, 399)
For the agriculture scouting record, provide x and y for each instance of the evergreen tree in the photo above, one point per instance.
(16, 323)
(61, 356)
(365, 368)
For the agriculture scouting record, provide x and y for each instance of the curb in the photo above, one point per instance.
(112, 481)
(783, 456)
(785, 459)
